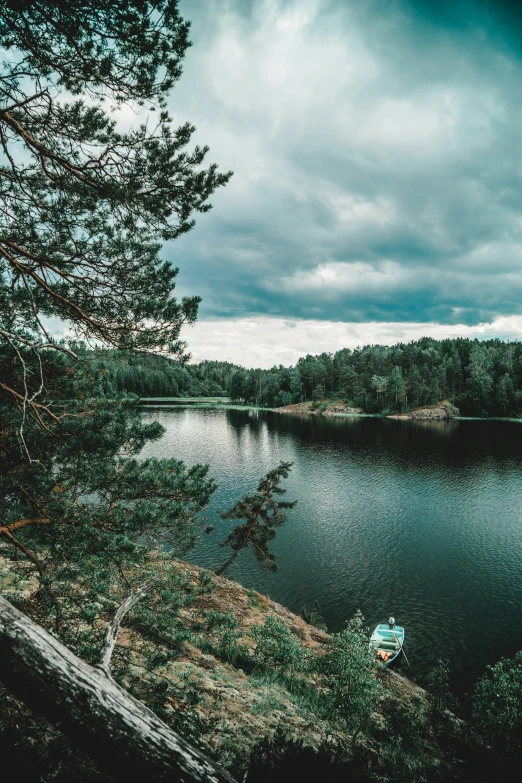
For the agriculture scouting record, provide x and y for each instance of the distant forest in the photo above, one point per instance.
(482, 378)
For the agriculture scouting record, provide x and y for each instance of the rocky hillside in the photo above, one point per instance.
(230, 696)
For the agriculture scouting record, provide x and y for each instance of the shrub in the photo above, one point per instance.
(313, 616)
(280, 758)
(233, 651)
(354, 692)
(277, 647)
(439, 689)
(497, 707)
(220, 620)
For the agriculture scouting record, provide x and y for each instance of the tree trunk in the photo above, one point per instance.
(112, 727)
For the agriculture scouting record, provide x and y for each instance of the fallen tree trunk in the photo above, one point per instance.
(112, 727)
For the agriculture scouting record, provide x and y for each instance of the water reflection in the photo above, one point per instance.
(418, 519)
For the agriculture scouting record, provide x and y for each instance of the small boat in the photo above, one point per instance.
(387, 641)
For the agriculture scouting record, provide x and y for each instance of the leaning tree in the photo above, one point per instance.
(86, 204)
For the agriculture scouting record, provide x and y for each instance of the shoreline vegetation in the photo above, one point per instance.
(331, 409)
(482, 379)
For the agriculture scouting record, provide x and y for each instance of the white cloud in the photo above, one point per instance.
(264, 342)
(336, 279)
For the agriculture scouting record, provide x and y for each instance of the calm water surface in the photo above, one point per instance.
(422, 520)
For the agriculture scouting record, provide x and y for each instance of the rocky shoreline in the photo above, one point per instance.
(442, 411)
(337, 408)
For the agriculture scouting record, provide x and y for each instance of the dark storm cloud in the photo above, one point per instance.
(377, 156)
(500, 20)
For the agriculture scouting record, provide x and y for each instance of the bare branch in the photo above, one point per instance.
(38, 346)
(114, 626)
(27, 552)
(34, 405)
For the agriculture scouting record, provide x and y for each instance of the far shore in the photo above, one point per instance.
(304, 409)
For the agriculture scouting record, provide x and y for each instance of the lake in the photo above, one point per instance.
(422, 520)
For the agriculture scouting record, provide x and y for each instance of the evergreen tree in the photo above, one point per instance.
(318, 393)
(379, 384)
(504, 394)
(415, 386)
(296, 386)
(395, 384)
(263, 514)
(480, 381)
(86, 206)
(348, 381)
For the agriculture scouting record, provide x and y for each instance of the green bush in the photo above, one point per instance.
(313, 616)
(438, 683)
(278, 648)
(220, 620)
(354, 691)
(279, 759)
(406, 724)
(497, 707)
(233, 651)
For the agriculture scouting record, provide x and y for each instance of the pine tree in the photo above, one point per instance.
(86, 207)
(504, 394)
(480, 383)
(263, 514)
(396, 384)
(415, 386)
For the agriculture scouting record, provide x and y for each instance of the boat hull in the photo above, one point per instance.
(387, 643)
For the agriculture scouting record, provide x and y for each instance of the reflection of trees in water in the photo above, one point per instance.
(443, 428)
(421, 435)
(445, 444)
(249, 421)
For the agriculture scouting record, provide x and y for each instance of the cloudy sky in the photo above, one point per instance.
(377, 193)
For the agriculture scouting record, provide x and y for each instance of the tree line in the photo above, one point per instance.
(482, 378)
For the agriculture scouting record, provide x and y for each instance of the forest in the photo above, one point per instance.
(482, 378)
(118, 659)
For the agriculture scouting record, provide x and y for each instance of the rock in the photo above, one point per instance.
(442, 411)
(341, 409)
(326, 408)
